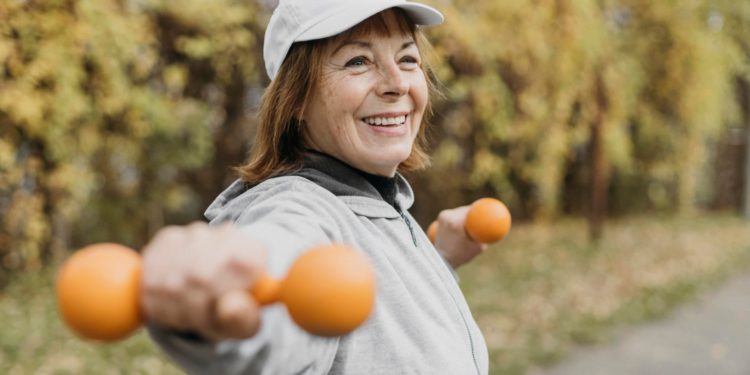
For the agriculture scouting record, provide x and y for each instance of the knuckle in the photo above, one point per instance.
(172, 285)
(149, 284)
(197, 225)
(149, 303)
(245, 260)
(169, 234)
(180, 318)
(200, 234)
(226, 226)
(201, 277)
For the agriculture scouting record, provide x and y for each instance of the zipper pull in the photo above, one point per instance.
(411, 230)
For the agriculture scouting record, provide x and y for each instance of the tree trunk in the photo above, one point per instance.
(599, 166)
(746, 200)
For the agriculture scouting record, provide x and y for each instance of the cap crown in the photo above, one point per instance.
(299, 20)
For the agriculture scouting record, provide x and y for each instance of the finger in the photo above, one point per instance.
(161, 297)
(462, 211)
(237, 315)
(453, 218)
(233, 265)
(168, 234)
(197, 225)
(200, 307)
(166, 311)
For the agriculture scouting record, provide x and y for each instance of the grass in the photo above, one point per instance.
(536, 295)
(34, 341)
(545, 289)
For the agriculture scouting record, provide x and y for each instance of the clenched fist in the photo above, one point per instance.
(451, 239)
(196, 278)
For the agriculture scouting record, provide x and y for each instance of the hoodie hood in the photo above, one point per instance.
(354, 187)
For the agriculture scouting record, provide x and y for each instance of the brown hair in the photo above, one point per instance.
(278, 146)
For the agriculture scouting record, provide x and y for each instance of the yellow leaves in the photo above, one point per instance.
(486, 166)
(549, 169)
(6, 48)
(651, 71)
(618, 146)
(10, 173)
(93, 94)
(176, 198)
(7, 155)
(175, 78)
(448, 154)
(706, 91)
(26, 222)
(24, 107)
(197, 48)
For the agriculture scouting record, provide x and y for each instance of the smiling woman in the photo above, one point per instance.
(346, 110)
(305, 105)
(375, 76)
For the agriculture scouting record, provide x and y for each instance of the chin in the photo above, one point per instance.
(391, 157)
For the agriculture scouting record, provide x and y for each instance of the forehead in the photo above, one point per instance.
(390, 23)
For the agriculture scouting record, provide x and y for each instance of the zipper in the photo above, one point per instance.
(471, 340)
(411, 229)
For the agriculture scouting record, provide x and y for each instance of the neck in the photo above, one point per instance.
(389, 172)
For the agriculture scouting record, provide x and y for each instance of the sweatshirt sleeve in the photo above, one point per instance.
(287, 222)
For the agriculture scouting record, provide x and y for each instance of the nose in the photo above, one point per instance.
(393, 83)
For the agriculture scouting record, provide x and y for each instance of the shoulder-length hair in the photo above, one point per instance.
(278, 147)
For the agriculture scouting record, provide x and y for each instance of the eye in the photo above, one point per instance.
(411, 62)
(409, 59)
(357, 61)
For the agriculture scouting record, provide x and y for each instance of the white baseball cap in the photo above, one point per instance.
(302, 20)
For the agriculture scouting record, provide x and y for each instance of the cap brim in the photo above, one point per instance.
(420, 14)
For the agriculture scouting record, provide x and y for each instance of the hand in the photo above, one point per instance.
(196, 278)
(452, 241)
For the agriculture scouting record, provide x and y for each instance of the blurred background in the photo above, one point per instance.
(615, 131)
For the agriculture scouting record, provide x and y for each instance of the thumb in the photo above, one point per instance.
(237, 315)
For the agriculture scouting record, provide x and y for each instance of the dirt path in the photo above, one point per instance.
(709, 337)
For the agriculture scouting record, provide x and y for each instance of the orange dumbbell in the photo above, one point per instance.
(487, 221)
(328, 291)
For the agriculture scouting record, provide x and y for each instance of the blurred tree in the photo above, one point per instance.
(105, 109)
(736, 16)
(549, 99)
(120, 116)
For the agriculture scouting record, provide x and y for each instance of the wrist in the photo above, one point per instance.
(448, 259)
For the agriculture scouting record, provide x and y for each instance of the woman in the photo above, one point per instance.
(344, 112)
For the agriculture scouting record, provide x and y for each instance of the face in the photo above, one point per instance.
(369, 102)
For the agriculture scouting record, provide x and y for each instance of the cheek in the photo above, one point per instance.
(419, 92)
(345, 96)
(420, 95)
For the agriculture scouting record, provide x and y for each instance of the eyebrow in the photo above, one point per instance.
(368, 45)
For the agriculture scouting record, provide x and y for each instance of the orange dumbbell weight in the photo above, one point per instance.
(328, 291)
(487, 221)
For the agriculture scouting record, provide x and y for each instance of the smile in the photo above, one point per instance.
(385, 121)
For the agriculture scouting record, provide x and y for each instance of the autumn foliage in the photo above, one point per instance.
(120, 116)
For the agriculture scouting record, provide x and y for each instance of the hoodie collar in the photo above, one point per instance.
(357, 188)
(342, 180)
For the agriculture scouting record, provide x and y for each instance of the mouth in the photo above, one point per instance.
(385, 121)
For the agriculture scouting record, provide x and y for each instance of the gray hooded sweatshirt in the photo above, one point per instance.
(420, 324)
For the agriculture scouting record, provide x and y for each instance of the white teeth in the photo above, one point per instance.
(385, 120)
